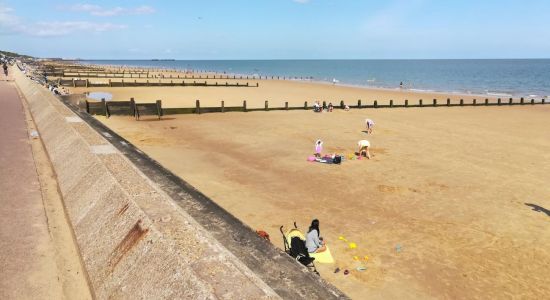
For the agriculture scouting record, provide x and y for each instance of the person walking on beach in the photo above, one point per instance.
(401, 85)
(364, 146)
(314, 241)
(5, 67)
(370, 125)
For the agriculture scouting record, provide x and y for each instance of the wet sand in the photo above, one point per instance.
(446, 186)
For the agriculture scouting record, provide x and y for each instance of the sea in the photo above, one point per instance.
(494, 77)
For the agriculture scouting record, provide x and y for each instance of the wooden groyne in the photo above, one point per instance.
(131, 108)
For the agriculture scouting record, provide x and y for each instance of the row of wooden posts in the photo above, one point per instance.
(108, 108)
(147, 75)
(86, 83)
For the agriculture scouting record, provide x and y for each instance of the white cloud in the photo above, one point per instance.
(96, 10)
(10, 23)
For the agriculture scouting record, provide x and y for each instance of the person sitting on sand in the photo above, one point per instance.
(316, 107)
(370, 125)
(330, 107)
(364, 146)
(346, 107)
(314, 241)
(318, 148)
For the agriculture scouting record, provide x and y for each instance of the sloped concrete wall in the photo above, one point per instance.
(134, 241)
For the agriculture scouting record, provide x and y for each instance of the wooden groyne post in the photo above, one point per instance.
(197, 106)
(132, 107)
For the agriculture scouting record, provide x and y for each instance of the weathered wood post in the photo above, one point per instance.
(257, 84)
(342, 105)
(391, 103)
(406, 103)
(474, 103)
(74, 84)
(435, 102)
(359, 103)
(122, 82)
(110, 83)
(159, 108)
(420, 103)
(87, 106)
(448, 102)
(266, 105)
(375, 103)
(286, 105)
(244, 106)
(87, 82)
(305, 105)
(510, 101)
(105, 109)
(499, 101)
(486, 101)
(461, 102)
(197, 107)
(522, 101)
(223, 106)
(543, 101)
(324, 104)
(132, 107)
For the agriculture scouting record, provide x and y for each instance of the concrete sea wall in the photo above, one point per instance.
(136, 240)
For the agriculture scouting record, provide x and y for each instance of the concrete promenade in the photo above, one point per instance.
(27, 255)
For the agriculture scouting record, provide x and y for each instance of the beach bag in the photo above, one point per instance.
(337, 160)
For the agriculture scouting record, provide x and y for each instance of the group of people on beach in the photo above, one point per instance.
(364, 145)
(56, 90)
(317, 107)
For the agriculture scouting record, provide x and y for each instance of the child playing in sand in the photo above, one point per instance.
(364, 146)
(370, 125)
(318, 148)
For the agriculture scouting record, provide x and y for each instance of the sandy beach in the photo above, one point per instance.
(277, 92)
(441, 209)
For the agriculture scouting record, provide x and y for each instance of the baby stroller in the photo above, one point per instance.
(295, 246)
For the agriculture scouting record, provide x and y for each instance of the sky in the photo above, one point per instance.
(277, 29)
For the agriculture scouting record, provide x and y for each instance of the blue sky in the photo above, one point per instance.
(277, 29)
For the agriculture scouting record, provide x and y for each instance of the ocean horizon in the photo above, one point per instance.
(493, 77)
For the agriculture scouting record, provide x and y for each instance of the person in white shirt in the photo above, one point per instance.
(370, 125)
(364, 146)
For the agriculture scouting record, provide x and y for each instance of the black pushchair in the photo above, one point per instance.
(295, 246)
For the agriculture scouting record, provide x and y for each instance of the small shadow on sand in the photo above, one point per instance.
(155, 119)
(538, 208)
(365, 132)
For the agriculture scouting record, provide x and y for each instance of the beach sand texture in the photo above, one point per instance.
(440, 210)
(277, 92)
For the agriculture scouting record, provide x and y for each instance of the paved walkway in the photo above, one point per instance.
(27, 256)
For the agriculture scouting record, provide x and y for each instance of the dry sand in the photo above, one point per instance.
(449, 185)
